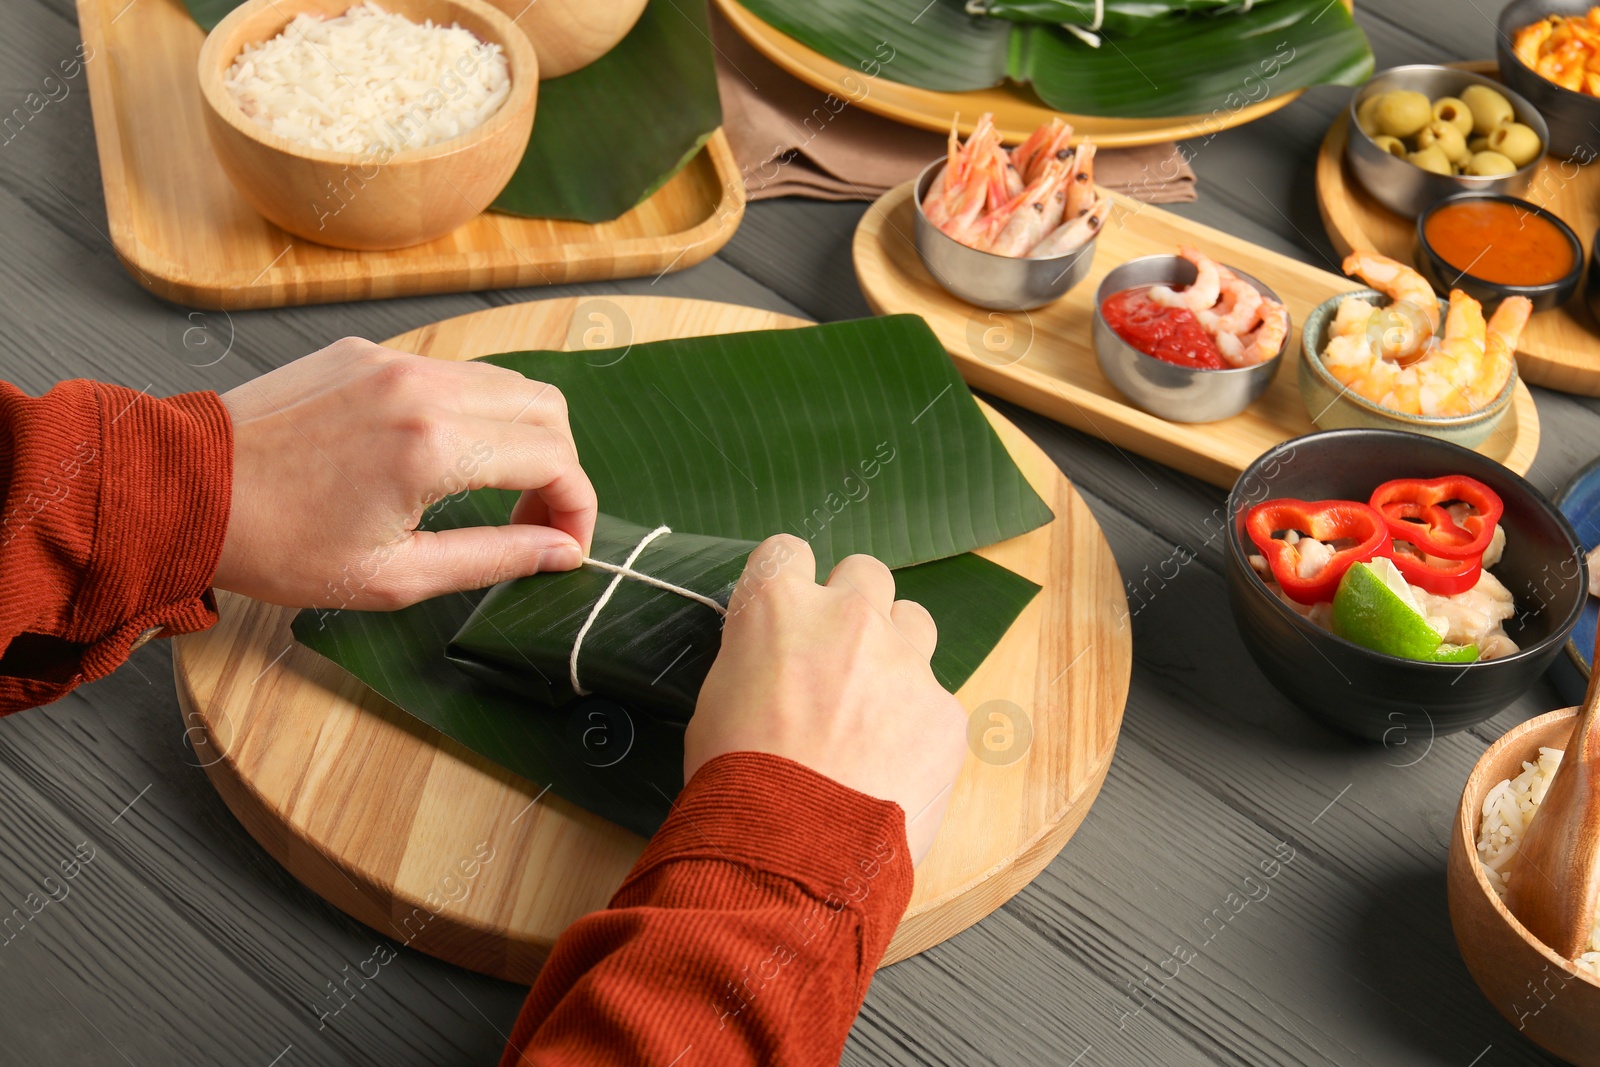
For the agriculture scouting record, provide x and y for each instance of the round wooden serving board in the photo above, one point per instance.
(390, 821)
(1017, 112)
(1559, 349)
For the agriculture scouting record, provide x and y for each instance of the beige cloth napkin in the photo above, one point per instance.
(773, 123)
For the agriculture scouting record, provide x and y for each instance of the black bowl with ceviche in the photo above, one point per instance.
(1385, 696)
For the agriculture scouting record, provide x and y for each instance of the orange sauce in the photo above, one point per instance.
(1499, 242)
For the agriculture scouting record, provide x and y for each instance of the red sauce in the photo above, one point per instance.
(1170, 334)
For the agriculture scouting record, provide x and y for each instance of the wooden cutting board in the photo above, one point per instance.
(1044, 359)
(388, 820)
(1560, 348)
(186, 235)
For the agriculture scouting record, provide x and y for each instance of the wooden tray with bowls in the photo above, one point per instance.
(377, 813)
(182, 230)
(1044, 359)
(1559, 349)
(1016, 111)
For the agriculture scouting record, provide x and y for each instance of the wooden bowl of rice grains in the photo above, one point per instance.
(369, 125)
(1554, 1002)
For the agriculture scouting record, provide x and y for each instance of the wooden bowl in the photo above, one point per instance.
(381, 199)
(1553, 1003)
(569, 34)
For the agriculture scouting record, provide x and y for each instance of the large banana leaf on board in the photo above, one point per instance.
(856, 436)
(1154, 59)
(607, 136)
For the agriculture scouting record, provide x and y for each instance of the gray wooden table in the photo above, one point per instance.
(184, 943)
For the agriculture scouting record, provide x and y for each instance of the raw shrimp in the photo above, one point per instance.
(1414, 302)
(1074, 234)
(1198, 295)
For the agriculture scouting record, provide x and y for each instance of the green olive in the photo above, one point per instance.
(1448, 138)
(1365, 117)
(1402, 113)
(1489, 164)
(1477, 144)
(1432, 159)
(1489, 108)
(1450, 109)
(1392, 145)
(1516, 142)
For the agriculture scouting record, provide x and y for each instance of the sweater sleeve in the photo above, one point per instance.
(113, 509)
(747, 933)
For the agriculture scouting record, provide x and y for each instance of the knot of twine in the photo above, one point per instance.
(619, 572)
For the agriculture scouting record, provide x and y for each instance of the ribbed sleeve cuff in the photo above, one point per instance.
(166, 489)
(773, 815)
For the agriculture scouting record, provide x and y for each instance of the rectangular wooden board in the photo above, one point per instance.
(1045, 361)
(180, 228)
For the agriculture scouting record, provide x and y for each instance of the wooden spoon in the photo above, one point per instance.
(1557, 868)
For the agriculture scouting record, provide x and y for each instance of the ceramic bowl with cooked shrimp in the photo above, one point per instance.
(1369, 693)
(1397, 357)
(1167, 358)
(1405, 186)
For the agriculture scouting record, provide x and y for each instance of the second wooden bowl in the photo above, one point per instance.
(1554, 1003)
(571, 34)
(381, 199)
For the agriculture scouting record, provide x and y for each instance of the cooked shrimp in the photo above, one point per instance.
(1475, 617)
(1080, 183)
(1198, 295)
(1236, 311)
(1500, 349)
(1262, 343)
(1074, 234)
(1413, 298)
(1035, 213)
(1050, 141)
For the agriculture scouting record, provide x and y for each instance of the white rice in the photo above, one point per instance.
(1507, 810)
(369, 82)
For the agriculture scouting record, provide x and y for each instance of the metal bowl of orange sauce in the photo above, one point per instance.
(1491, 246)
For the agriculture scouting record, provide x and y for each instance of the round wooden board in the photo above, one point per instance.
(1017, 112)
(385, 817)
(1560, 349)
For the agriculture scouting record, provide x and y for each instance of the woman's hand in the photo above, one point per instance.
(834, 677)
(338, 455)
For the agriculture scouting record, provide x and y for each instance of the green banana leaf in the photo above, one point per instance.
(648, 647)
(1199, 64)
(856, 436)
(609, 135)
(1117, 18)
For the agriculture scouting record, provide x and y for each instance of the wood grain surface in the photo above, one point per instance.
(368, 807)
(1559, 348)
(185, 942)
(1044, 359)
(188, 236)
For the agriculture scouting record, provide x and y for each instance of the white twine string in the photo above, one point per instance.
(619, 572)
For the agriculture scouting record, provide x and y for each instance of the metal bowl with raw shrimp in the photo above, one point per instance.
(1334, 406)
(1004, 283)
(1166, 390)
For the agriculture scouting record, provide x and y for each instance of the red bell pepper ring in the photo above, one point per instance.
(1414, 510)
(1445, 577)
(1325, 520)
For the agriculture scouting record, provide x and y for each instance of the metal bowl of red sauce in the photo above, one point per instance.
(1491, 246)
(1166, 365)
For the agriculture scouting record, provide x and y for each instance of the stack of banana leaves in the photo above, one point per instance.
(1120, 58)
(855, 436)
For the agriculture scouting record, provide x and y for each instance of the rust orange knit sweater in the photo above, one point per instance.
(747, 932)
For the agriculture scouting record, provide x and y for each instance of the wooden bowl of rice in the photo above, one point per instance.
(1554, 1002)
(400, 189)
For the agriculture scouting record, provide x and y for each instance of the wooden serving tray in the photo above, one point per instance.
(1017, 112)
(1560, 348)
(180, 228)
(1044, 359)
(376, 812)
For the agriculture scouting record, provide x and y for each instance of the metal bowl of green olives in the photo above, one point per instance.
(1421, 133)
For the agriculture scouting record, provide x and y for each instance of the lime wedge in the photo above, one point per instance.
(1375, 608)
